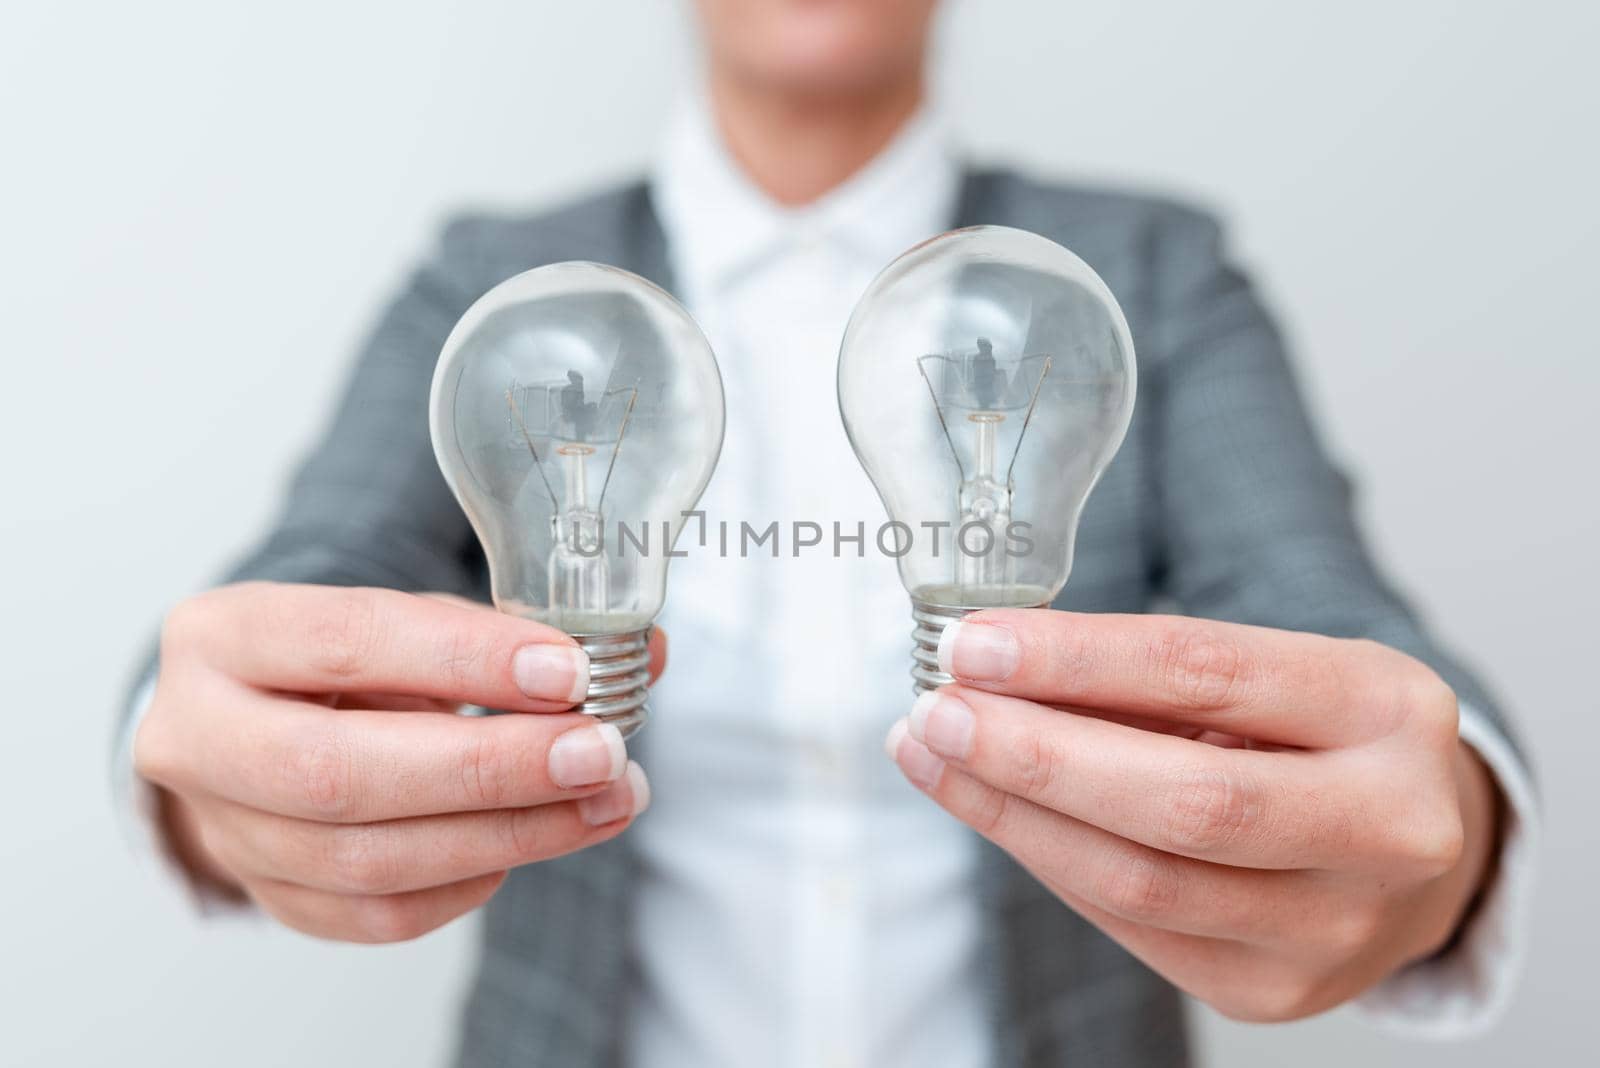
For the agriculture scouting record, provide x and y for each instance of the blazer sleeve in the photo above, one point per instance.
(1256, 526)
(368, 506)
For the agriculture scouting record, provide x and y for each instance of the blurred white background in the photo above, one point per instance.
(204, 202)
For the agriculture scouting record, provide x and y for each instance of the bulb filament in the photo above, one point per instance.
(977, 384)
(578, 573)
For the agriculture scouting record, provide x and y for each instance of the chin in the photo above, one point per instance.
(817, 46)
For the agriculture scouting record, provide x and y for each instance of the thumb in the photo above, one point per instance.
(658, 637)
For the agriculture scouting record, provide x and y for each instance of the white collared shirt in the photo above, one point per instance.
(800, 903)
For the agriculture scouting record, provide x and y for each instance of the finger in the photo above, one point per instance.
(372, 918)
(1123, 878)
(658, 637)
(657, 646)
(1162, 726)
(400, 702)
(299, 759)
(1273, 685)
(1230, 806)
(1242, 979)
(320, 639)
(391, 702)
(1189, 961)
(396, 856)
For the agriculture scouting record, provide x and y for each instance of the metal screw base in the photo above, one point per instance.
(619, 672)
(930, 619)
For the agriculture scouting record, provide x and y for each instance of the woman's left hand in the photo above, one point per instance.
(1274, 821)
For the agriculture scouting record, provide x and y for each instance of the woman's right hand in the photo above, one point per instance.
(307, 746)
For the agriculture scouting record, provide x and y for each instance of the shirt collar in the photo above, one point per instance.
(719, 222)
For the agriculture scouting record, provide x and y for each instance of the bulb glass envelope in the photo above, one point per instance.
(986, 379)
(577, 414)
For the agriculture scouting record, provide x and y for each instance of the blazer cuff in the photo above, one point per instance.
(1463, 992)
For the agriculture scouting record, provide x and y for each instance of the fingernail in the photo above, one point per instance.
(943, 723)
(978, 652)
(586, 755)
(918, 764)
(628, 796)
(552, 672)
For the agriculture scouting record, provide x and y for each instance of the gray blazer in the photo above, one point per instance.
(1221, 502)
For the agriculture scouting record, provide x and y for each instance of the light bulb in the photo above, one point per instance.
(577, 415)
(986, 379)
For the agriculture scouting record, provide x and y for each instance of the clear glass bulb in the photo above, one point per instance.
(986, 379)
(577, 415)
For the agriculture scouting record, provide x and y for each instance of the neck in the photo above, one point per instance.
(798, 147)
